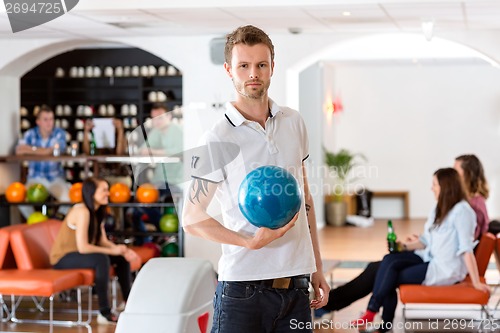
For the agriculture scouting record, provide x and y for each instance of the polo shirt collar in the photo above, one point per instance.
(235, 118)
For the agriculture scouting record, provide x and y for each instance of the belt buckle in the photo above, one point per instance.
(281, 283)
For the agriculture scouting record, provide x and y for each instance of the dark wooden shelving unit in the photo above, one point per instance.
(41, 86)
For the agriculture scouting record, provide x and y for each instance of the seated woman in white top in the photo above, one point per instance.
(442, 255)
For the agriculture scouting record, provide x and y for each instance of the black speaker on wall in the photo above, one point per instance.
(217, 50)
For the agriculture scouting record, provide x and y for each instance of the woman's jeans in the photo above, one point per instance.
(396, 269)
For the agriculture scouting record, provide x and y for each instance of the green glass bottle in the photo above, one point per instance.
(391, 238)
(169, 210)
(93, 145)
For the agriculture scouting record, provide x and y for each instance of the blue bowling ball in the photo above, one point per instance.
(269, 196)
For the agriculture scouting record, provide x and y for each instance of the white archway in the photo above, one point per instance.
(33, 57)
(30, 59)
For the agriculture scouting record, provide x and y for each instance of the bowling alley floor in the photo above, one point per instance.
(352, 246)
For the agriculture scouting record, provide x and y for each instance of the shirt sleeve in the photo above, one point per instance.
(175, 141)
(151, 140)
(478, 204)
(481, 222)
(179, 141)
(304, 139)
(425, 236)
(61, 139)
(464, 221)
(209, 160)
(29, 137)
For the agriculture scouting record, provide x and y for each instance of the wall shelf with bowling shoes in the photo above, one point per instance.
(99, 83)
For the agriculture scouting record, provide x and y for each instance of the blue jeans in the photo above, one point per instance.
(395, 269)
(242, 307)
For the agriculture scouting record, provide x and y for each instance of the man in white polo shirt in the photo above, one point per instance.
(263, 273)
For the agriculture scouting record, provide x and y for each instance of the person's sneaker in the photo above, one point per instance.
(109, 319)
(367, 317)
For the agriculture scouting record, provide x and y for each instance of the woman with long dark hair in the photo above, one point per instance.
(476, 187)
(82, 243)
(471, 170)
(442, 255)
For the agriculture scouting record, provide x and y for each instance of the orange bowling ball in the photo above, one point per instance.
(16, 192)
(147, 193)
(119, 193)
(75, 193)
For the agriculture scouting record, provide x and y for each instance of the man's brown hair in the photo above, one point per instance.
(452, 192)
(43, 108)
(474, 179)
(159, 106)
(248, 35)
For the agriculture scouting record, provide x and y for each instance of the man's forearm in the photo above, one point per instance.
(313, 229)
(211, 229)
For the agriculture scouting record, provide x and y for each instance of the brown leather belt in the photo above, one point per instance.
(294, 282)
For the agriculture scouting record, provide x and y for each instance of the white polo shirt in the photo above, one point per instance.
(234, 147)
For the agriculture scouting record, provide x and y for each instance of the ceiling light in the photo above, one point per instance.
(346, 13)
(428, 28)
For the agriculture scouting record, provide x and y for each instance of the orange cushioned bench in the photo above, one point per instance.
(460, 293)
(35, 281)
(31, 247)
(145, 253)
(35, 244)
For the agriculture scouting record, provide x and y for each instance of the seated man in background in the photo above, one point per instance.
(164, 139)
(42, 140)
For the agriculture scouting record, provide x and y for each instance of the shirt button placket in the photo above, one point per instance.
(271, 146)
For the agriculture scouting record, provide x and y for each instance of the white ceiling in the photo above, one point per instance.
(91, 18)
